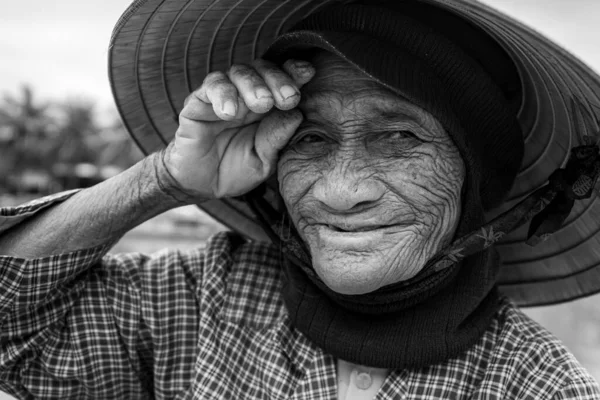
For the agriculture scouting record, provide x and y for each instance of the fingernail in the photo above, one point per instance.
(262, 93)
(287, 91)
(229, 108)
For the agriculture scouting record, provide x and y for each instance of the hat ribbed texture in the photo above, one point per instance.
(160, 50)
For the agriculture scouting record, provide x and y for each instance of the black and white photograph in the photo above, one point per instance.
(300, 199)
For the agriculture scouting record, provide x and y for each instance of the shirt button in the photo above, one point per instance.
(363, 380)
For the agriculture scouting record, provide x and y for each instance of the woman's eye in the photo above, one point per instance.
(393, 142)
(311, 138)
(309, 144)
(397, 135)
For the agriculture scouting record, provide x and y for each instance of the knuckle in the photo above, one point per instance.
(222, 88)
(190, 97)
(267, 68)
(242, 71)
(214, 77)
(218, 84)
(259, 62)
(275, 72)
(227, 90)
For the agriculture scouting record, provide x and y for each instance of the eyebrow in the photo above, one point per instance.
(394, 117)
(379, 119)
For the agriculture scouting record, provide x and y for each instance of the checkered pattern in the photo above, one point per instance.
(211, 324)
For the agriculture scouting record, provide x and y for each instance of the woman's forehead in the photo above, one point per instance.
(334, 75)
(342, 94)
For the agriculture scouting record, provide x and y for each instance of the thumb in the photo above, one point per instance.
(273, 133)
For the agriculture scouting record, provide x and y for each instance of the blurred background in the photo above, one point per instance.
(59, 128)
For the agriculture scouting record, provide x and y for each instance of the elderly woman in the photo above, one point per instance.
(370, 141)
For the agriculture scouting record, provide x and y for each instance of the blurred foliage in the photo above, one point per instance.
(50, 146)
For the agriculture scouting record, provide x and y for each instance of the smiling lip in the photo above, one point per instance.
(354, 229)
(359, 239)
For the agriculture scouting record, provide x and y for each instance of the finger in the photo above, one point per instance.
(202, 133)
(273, 134)
(285, 91)
(300, 71)
(251, 88)
(197, 110)
(218, 90)
(197, 130)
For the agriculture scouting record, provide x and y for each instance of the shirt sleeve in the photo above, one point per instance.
(582, 387)
(90, 325)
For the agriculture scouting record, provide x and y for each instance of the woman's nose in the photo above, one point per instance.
(344, 188)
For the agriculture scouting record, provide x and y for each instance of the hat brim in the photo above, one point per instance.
(161, 50)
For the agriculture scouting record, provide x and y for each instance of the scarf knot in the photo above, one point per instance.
(576, 181)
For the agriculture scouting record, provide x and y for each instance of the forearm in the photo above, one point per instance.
(96, 215)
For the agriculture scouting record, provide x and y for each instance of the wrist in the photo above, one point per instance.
(166, 183)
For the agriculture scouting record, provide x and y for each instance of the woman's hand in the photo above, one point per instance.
(232, 128)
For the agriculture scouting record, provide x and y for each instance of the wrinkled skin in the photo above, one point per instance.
(371, 181)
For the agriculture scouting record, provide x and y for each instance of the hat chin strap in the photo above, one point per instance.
(547, 208)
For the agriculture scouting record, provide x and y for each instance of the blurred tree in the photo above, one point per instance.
(27, 131)
(77, 132)
(46, 145)
(116, 146)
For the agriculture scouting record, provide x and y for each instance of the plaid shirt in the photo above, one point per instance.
(211, 324)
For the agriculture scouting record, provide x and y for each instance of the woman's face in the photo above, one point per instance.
(371, 181)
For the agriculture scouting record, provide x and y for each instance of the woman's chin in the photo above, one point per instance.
(358, 274)
(349, 287)
(347, 276)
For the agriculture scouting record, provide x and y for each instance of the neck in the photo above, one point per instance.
(416, 323)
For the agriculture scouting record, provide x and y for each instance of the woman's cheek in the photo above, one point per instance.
(295, 176)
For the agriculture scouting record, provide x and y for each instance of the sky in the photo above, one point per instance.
(60, 46)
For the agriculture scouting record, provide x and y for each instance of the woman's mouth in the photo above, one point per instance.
(353, 236)
(357, 238)
(349, 229)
